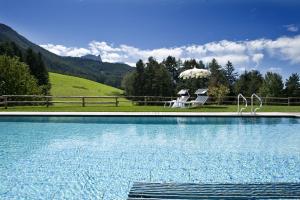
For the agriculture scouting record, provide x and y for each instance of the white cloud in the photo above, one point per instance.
(257, 58)
(291, 27)
(240, 53)
(66, 51)
(225, 46)
(237, 59)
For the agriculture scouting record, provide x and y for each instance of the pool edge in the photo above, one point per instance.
(155, 114)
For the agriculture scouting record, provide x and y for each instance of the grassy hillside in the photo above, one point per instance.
(107, 73)
(63, 85)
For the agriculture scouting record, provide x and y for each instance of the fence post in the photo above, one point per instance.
(117, 102)
(83, 102)
(47, 101)
(288, 101)
(145, 100)
(5, 102)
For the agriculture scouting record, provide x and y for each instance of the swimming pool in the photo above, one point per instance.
(100, 157)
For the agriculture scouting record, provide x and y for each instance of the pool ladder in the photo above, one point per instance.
(253, 110)
(240, 110)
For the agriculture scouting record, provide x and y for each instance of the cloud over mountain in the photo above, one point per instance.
(241, 53)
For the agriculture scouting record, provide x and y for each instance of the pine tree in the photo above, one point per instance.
(11, 49)
(149, 76)
(217, 76)
(172, 66)
(139, 80)
(201, 65)
(292, 86)
(38, 69)
(249, 83)
(230, 76)
(190, 64)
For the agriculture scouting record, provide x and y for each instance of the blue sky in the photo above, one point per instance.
(256, 34)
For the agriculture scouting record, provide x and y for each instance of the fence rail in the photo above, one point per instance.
(8, 100)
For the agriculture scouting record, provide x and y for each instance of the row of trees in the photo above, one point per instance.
(162, 79)
(22, 72)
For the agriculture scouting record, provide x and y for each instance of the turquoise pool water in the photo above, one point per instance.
(100, 157)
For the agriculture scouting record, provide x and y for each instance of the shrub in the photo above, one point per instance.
(219, 92)
(15, 78)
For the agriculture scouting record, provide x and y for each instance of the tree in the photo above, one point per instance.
(15, 78)
(33, 60)
(192, 84)
(201, 65)
(172, 66)
(248, 83)
(219, 92)
(11, 49)
(37, 67)
(292, 86)
(139, 79)
(161, 82)
(272, 85)
(217, 76)
(189, 64)
(158, 79)
(150, 79)
(151, 65)
(128, 84)
(230, 76)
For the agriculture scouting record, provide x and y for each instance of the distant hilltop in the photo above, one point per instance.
(91, 67)
(92, 57)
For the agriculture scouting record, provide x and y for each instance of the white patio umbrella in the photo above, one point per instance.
(194, 73)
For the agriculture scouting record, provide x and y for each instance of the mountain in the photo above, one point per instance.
(103, 72)
(92, 57)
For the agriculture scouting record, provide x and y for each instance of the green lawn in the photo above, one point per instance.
(131, 108)
(63, 85)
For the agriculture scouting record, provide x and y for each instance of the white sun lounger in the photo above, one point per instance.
(180, 101)
(201, 98)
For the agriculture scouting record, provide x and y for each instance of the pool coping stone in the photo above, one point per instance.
(156, 114)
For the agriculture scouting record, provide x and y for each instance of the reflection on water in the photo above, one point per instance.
(100, 158)
(154, 120)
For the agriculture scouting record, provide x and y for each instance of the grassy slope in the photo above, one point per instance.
(63, 85)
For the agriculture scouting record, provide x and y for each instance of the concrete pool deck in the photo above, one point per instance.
(156, 114)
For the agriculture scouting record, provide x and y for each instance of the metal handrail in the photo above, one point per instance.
(252, 102)
(246, 104)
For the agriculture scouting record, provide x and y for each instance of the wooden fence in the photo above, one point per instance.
(228, 100)
(11, 100)
(7, 100)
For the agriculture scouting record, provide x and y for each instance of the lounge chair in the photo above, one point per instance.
(180, 101)
(201, 98)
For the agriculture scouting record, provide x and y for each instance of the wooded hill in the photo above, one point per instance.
(103, 72)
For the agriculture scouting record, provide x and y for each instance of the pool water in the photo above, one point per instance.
(100, 157)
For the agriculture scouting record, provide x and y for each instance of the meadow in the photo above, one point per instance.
(64, 85)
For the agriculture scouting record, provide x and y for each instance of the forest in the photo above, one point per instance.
(154, 78)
